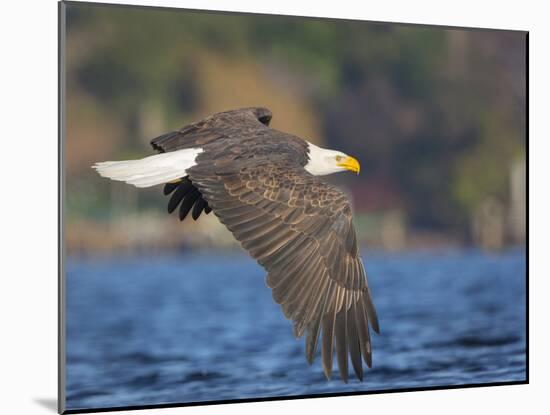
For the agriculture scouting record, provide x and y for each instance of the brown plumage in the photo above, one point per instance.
(297, 226)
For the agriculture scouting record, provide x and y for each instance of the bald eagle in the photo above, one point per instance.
(264, 186)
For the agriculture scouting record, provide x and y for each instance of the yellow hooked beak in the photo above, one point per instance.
(349, 163)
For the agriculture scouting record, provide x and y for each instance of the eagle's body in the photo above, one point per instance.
(263, 185)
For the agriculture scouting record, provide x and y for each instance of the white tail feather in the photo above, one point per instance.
(152, 170)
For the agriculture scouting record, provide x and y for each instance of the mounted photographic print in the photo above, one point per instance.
(258, 207)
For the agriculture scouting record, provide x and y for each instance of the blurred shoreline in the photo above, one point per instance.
(154, 234)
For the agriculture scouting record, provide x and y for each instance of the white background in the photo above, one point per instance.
(28, 195)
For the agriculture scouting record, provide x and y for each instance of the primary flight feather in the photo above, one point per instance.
(264, 186)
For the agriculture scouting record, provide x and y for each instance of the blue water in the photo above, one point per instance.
(199, 327)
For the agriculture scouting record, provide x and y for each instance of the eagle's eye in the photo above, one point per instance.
(339, 158)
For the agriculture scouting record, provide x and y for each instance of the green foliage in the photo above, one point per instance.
(436, 113)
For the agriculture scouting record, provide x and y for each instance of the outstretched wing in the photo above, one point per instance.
(242, 124)
(300, 230)
(224, 134)
(211, 131)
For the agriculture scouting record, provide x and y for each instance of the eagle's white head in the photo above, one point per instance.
(323, 161)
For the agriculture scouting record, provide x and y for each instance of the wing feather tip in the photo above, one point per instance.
(373, 320)
(328, 372)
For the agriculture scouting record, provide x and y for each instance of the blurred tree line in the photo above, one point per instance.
(436, 116)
